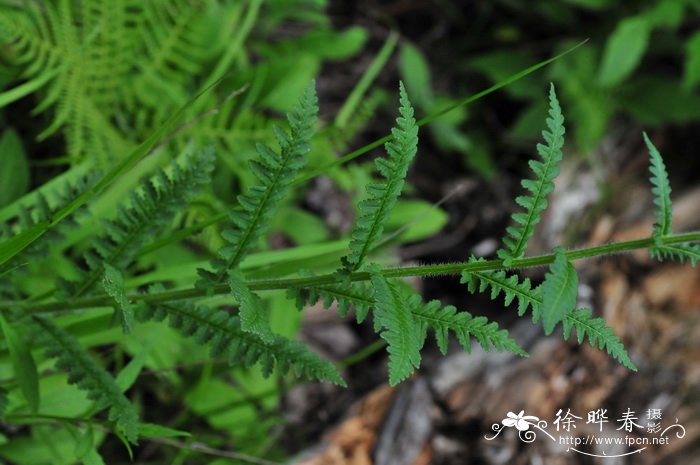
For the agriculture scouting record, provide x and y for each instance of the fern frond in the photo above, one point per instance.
(545, 171)
(442, 320)
(680, 252)
(84, 371)
(40, 211)
(510, 286)
(223, 334)
(661, 190)
(599, 335)
(559, 291)
(275, 173)
(402, 333)
(177, 40)
(346, 294)
(251, 310)
(381, 196)
(113, 284)
(149, 211)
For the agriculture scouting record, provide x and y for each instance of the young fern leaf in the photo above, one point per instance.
(113, 284)
(402, 333)
(512, 288)
(149, 211)
(275, 172)
(84, 371)
(442, 320)
(661, 190)
(599, 335)
(381, 196)
(546, 170)
(223, 334)
(559, 291)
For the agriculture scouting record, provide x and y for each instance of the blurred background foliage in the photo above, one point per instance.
(83, 82)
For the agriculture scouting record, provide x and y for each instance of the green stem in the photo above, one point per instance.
(402, 272)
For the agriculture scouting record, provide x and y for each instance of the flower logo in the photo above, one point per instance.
(520, 421)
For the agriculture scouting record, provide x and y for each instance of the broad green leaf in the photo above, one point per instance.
(152, 430)
(23, 364)
(93, 458)
(14, 174)
(559, 291)
(332, 45)
(415, 73)
(691, 73)
(624, 50)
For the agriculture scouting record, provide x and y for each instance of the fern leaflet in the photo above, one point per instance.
(113, 284)
(275, 173)
(346, 294)
(375, 210)
(402, 333)
(444, 319)
(223, 334)
(559, 291)
(148, 213)
(546, 170)
(84, 371)
(252, 311)
(40, 211)
(511, 287)
(430, 315)
(599, 335)
(661, 190)
(533, 298)
(681, 252)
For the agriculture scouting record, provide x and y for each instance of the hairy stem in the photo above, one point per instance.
(408, 271)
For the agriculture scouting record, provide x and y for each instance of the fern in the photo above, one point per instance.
(113, 284)
(253, 314)
(681, 252)
(528, 297)
(375, 210)
(545, 170)
(274, 172)
(599, 335)
(84, 371)
(559, 291)
(346, 294)
(223, 334)
(430, 315)
(661, 190)
(402, 333)
(512, 288)
(42, 210)
(442, 320)
(147, 214)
